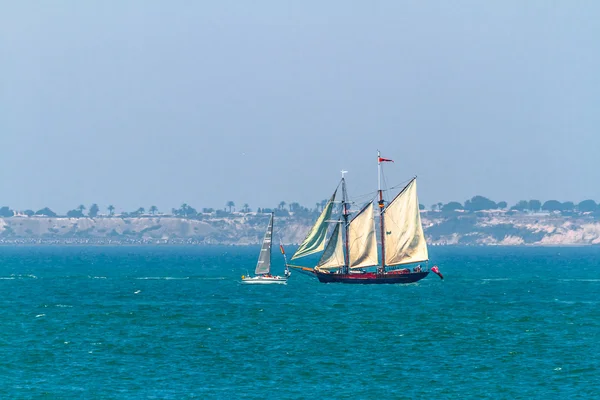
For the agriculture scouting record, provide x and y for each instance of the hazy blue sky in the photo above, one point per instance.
(137, 103)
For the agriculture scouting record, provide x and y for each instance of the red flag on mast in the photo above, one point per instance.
(381, 159)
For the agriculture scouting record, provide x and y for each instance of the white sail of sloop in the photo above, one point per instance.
(333, 256)
(315, 240)
(362, 239)
(404, 239)
(263, 266)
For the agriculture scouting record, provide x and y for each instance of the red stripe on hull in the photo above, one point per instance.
(371, 278)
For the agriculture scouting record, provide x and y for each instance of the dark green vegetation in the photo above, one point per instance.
(477, 221)
(473, 205)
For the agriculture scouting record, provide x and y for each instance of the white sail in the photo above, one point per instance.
(362, 240)
(263, 266)
(315, 240)
(404, 238)
(333, 256)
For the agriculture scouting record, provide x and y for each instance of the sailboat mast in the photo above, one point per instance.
(270, 239)
(381, 222)
(345, 214)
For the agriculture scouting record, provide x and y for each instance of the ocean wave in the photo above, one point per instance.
(569, 302)
(166, 278)
(211, 278)
(19, 276)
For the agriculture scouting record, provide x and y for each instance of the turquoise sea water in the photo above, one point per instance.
(175, 323)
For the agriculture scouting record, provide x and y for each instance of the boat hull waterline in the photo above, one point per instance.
(261, 280)
(371, 278)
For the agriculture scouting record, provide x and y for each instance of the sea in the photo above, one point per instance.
(176, 323)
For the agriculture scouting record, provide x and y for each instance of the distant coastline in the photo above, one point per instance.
(482, 228)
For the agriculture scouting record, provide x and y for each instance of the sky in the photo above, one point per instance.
(140, 103)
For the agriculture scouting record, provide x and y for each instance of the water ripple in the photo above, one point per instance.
(174, 323)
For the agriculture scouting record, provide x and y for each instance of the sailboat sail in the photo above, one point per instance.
(263, 266)
(315, 240)
(404, 239)
(333, 256)
(361, 235)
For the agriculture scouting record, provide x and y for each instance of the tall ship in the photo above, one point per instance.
(352, 253)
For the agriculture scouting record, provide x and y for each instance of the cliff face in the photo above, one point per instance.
(159, 229)
(458, 229)
(239, 230)
(518, 229)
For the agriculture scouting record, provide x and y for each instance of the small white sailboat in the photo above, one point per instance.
(263, 266)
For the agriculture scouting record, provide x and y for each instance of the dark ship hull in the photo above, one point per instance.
(371, 277)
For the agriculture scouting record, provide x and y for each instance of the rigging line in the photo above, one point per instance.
(384, 185)
(338, 185)
(372, 198)
(355, 199)
(364, 203)
(278, 232)
(403, 183)
(372, 194)
(335, 192)
(361, 202)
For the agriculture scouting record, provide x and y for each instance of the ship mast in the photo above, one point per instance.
(345, 215)
(381, 269)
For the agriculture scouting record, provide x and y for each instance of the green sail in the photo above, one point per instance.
(333, 256)
(315, 240)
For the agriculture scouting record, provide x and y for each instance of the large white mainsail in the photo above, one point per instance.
(333, 256)
(404, 239)
(362, 239)
(263, 266)
(315, 240)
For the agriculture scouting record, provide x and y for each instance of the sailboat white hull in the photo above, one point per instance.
(264, 280)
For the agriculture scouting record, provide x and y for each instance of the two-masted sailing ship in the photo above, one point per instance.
(352, 252)
(262, 271)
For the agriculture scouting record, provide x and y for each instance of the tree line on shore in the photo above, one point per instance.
(475, 204)
(480, 203)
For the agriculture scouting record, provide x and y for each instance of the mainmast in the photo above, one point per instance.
(381, 269)
(345, 214)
